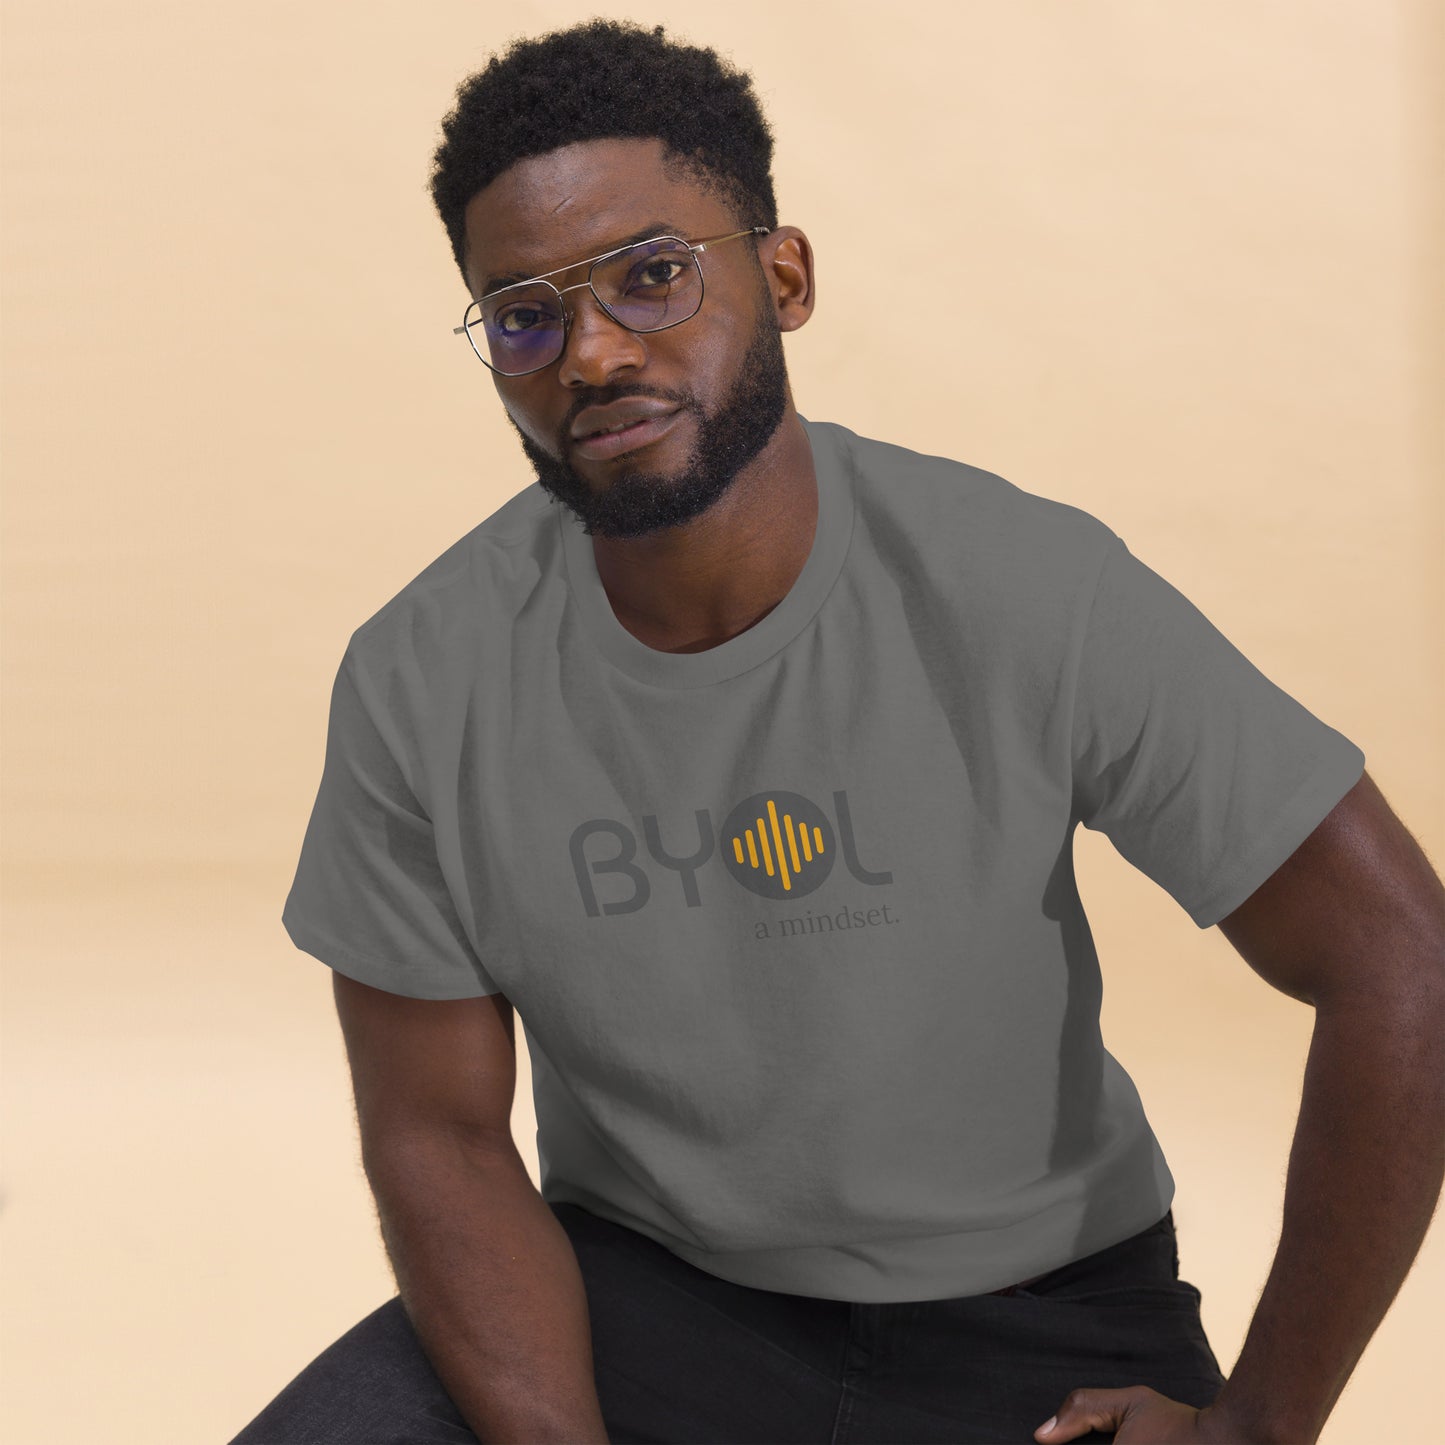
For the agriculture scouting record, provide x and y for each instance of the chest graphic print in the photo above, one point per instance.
(777, 844)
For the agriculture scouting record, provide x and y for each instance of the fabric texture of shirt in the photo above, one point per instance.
(791, 924)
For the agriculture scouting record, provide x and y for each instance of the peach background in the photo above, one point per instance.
(1189, 280)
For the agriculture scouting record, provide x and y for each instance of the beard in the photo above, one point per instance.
(634, 501)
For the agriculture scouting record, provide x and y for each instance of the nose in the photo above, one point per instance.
(597, 345)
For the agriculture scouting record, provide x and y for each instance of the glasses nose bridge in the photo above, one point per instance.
(569, 313)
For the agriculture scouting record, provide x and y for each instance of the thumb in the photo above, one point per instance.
(1085, 1410)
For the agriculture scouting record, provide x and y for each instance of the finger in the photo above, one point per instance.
(1085, 1410)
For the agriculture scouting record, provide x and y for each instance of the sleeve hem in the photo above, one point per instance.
(376, 974)
(1296, 821)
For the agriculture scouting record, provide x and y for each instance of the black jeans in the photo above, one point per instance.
(680, 1355)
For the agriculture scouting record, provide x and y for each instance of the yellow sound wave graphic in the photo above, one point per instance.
(779, 840)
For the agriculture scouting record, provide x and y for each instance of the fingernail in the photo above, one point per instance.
(1048, 1425)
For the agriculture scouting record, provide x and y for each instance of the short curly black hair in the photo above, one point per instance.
(599, 79)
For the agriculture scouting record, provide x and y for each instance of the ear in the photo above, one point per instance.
(787, 258)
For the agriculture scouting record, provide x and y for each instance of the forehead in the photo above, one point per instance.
(575, 202)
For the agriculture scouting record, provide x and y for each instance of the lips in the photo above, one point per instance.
(603, 418)
(600, 447)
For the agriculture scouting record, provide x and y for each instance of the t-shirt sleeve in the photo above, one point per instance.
(369, 897)
(1202, 772)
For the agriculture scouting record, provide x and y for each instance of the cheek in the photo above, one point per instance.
(704, 361)
(513, 413)
(732, 320)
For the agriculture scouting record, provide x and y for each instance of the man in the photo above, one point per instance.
(742, 754)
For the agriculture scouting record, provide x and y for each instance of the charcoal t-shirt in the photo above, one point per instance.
(791, 924)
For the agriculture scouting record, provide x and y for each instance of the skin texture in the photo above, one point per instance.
(700, 535)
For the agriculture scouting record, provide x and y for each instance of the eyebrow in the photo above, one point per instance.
(657, 228)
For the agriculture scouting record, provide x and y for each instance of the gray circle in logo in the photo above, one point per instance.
(778, 845)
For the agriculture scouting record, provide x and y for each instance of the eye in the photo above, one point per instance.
(654, 273)
(520, 318)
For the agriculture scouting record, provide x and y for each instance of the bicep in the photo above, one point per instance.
(420, 1067)
(1356, 909)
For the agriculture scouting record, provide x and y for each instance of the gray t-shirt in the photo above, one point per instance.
(791, 924)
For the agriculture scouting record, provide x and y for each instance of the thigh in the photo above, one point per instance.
(992, 1368)
(681, 1356)
(373, 1386)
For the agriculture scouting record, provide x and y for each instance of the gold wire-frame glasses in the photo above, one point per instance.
(470, 325)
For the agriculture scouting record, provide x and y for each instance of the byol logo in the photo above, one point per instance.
(778, 845)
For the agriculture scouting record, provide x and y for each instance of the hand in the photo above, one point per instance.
(1139, 1416)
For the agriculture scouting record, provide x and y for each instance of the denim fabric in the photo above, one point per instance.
(682, 1356)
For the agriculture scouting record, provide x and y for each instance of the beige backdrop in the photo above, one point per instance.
(1189, 260)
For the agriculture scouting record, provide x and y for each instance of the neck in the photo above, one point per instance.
(695, 586)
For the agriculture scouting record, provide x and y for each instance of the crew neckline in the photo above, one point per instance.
(833, 466)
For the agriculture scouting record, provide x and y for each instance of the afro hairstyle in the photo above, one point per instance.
(597, 80)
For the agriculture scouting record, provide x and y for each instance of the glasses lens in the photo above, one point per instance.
(651, 285)
(647, 287)
(519, 329)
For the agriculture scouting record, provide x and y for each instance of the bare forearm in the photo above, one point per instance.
(1365, 1172)
(491, 1284)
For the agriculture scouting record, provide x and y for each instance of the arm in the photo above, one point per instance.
(491, 1285)
(1354, 925)
(487, 1275)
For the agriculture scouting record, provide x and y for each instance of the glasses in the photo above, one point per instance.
(647, 286)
